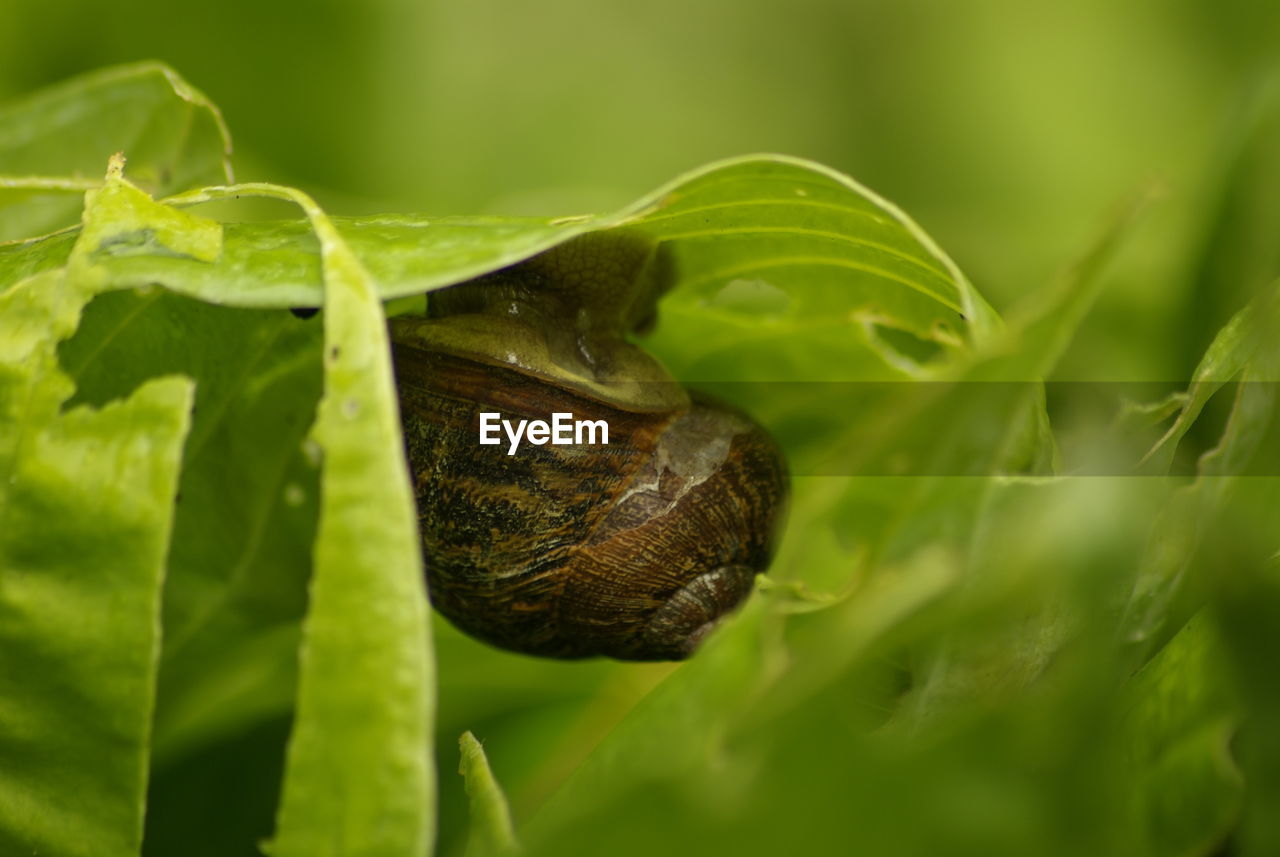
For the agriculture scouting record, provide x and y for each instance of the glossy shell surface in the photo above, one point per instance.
(632, 550)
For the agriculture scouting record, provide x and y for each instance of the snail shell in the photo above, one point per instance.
(634, 549)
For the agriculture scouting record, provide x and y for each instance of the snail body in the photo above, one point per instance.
(632, 549)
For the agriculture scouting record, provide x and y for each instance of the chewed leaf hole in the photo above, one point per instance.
(904, 344)
(137, 242)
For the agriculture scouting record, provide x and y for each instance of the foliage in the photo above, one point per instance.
(963, 648)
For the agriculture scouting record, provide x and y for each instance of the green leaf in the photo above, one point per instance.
(992, 404)
(1241, 562)
(85, 512)
(996, 426)
(764, 233)
(1224, 360)
(491, 830)
(1249, 614)
(766, 249)
(235, 592)
(1182, 716)
(246, 514)
(359, 779)
(54, 140)
(132, 224)
(1171, 583)
(277, 263)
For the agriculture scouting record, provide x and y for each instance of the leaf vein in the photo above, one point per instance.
(712, 276)
(818, 233)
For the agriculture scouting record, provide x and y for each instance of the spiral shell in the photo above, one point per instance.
(632, 550)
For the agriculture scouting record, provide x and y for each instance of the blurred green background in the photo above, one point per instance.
(1008, 129)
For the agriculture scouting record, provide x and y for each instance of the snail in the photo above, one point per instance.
(632, 549)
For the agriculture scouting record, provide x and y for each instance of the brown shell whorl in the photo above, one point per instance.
(632, 550)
